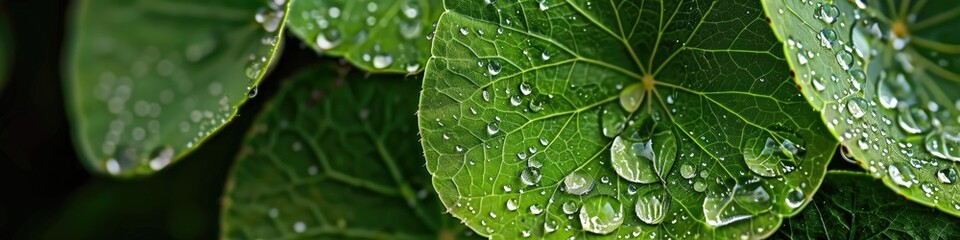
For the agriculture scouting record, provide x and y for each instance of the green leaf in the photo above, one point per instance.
(335, 156)
(884, 76)
(673, 119)
(374, 35)
(149, 81)
(852, 205)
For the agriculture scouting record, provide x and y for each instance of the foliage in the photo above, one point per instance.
(536, 118)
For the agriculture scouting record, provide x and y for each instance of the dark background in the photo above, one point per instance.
(47, 194)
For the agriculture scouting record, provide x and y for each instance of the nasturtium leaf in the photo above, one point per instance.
(374, 35)
(885, 76)
(852, 205)
(335, 156)
(550, 91)
(149, 81)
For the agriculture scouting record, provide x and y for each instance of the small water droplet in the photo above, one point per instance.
(530, 176)
(494, 67)
(493, 128)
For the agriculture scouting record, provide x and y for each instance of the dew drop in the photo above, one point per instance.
(525, 88)
(601, 214)
(652, 206)
(578, 183)
(631, 97)
(570, 207)
(633, 161)
(494, 67)
(845, 59)
(947, 175)
(900, 175)
(493, 128)
(530, 176)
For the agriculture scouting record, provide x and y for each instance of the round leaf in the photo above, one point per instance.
(149, 81)
(885, 78)
(673, 119)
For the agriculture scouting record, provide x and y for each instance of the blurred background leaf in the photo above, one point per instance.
(149, 81)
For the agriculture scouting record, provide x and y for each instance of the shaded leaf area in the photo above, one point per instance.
(852, 205)
(148, 81)
(374, 35)
(6, 50)
(617, 119)
(884, 76)
(335, 155)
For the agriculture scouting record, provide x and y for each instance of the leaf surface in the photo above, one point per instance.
(884, 75)
(6, 50)
(375, 35)
(608, 119)
(149, 81)
(335, 156)
(853, 205)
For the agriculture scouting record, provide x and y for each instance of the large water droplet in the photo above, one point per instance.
(631, 97)
(827, 13)
(653, 206)
(601, 214)
(794, 198)
(494, 67)
(578, 183)
(530, 176)
(767, 157)
(633, 161)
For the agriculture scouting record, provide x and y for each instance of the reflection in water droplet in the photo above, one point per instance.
(525, 88)
(947, 175)
(601, 214)
(914, 120)
(494, 67)
(515, 100)
(794, 198)
(512, 204)
(530, 176)
(493, 128)
(652, 206)
(570, 207)
(578, 183)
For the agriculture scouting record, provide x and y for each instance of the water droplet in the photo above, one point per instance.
(652, 206)
(494, 67)
(512, 204)
(525, 88)
(545, 55)
(411, 9)
(827, 37)
(299, 227)
(530, 176)
(687, 171)
(827, 13)
(570, 207)
(855, 105)
(947, 175)
(750, 197)
(269, 19)
(902, 176)
(328, 39)
(601, 214)
(536, 209)
(767, 157)
(699, 186)
(493, 128)
(515, 100)
(631, 97)
(543, 141)
(578, 183)
(536, 106)
(845, 59)
(382, 61)
(794, 198)
(464, 31)
(633, 161)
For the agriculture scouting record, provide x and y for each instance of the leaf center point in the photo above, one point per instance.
(648, 82)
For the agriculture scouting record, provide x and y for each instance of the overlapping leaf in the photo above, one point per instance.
(617, 119)
(854, 206)
(885, 76)
(150, 80)
(375, 35)
(335, 157)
